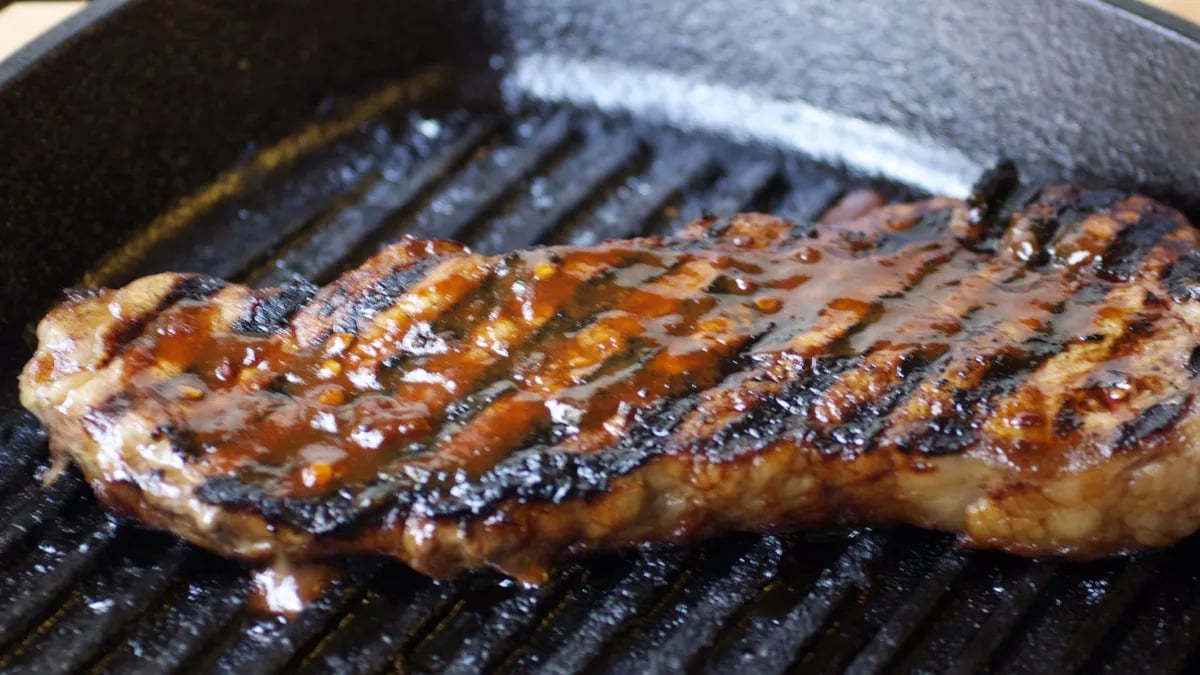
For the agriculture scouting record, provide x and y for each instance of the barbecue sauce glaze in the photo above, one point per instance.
(566, 345)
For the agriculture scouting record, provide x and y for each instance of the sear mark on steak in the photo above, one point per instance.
(274, 307)
(1019, 369)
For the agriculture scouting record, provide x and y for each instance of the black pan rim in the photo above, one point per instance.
(1173, 23)
(28, 57)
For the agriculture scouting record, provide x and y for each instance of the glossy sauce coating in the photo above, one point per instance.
(564, 345)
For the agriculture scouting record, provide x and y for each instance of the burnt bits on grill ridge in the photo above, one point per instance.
(991, 367)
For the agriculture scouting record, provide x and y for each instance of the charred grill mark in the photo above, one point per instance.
(560, 475)
(270, 312)
(1182, 278)
(181, 440)
(497, 287)
(1067, 421)
(774, 402)
(624, 370)
(579, 308)
(899, 371)
(314, 515)
(1049, 216)
(384, 293)
(461, 410)
(526, 415)
(198, 287)
(100, 419)
(1087, 204)
(598, 294)
(955, 431)
(965, 387)
(780, 404)
(477, 397)
(358, 300)
(549, 429)
(928, 227)
(529, 416)
(1140, 327)
(365, 301)
(862, 429)
(716, 226)
(230, 491)
(185, 288)
(840, 340)
(1151, 421)
(330, 305)
(671, 381)
(1121, 259)
(1143, 325)
(988, 196)
(1090, 294)
(767, 422)
(450, 326)
(542, 471)
(428, 287)
(1044, 231)
(114, 406)
(460, 320)
(843, 344)
(645, 438)
(977, 384)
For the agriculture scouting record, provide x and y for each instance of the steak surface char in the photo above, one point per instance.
(1025, 379)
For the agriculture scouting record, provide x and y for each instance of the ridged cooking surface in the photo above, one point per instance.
(80, 591)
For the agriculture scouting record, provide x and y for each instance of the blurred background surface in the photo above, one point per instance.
(21, 22)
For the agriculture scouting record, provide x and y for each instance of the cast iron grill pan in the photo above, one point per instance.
(82, 591)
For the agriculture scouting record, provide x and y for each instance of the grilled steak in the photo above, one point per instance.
(1022, 374)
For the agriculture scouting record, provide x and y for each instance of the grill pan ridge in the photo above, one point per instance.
(475, 146)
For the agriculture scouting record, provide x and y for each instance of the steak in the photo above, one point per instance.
(1020, 370)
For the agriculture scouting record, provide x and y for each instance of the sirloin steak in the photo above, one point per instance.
(1022, 375)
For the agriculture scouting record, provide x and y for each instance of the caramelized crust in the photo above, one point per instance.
(1024, 377)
